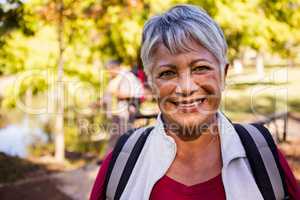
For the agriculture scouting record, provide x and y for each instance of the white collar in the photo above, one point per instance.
(231, 145)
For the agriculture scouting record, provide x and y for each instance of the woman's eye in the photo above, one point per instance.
(166, 74)
(201, 69)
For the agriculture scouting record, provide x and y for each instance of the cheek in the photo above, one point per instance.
(211, 83)
(163, 89)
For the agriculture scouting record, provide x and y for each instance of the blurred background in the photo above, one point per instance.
(52, 74)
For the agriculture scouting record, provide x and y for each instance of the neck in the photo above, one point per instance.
(197, 146)
(198, 159)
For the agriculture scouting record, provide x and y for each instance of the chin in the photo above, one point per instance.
(192, 119)
(188, 124)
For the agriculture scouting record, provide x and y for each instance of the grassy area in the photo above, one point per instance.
(14, 168)
(247, 97)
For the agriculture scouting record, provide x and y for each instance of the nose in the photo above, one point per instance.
(186, 86)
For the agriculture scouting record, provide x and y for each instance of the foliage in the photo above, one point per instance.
(15, 15)
(95, 31)
(262, 25)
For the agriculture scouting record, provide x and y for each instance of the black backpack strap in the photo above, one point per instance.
(116, 151)
(125, 155)
(260, 149)
(268, 137)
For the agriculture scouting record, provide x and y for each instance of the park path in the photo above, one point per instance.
(70, 185)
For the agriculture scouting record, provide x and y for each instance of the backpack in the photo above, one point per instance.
(259, 145)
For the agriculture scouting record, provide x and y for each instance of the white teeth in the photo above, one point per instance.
(194, 103)
(188, 105)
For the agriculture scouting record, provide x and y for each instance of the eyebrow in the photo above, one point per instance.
(168, 65)
(192, 63)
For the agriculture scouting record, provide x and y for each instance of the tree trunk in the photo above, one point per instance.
(260, 66)
(59, 122)
(238, 66)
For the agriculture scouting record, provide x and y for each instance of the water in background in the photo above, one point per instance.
(16, 138)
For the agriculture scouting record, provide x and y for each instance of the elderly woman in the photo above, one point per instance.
(193, 151)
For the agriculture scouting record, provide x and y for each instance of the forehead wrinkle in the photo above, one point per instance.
(199, 60)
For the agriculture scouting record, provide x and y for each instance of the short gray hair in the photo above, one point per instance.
(178, 26)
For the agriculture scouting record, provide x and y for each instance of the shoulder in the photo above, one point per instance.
(97, 192)
(292, 184)
(132, 139)
(293, 187)
(134, 135)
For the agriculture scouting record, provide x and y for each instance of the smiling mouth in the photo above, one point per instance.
(190, 103)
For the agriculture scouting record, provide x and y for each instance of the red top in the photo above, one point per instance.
(167, 188)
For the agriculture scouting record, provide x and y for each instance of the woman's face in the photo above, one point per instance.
(187, 86)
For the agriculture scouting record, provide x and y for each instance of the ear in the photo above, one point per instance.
(226, 69)
(223, 78)
(153, 88)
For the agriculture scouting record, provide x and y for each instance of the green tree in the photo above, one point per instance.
(14, 15)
